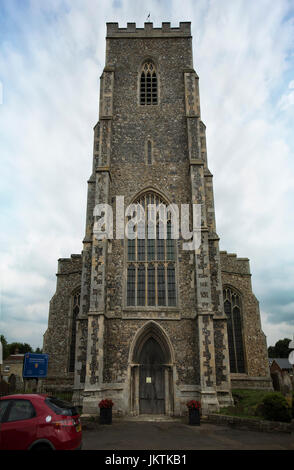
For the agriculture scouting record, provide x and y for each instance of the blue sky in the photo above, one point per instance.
(51, 57)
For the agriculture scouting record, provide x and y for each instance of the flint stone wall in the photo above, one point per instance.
(236, 273)
(182, 334)
(58, 334)
(132, 125)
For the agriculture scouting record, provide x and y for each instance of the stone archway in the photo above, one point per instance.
(151, 378)
(151, 372)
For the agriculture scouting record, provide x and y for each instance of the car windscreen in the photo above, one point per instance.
(61, 407)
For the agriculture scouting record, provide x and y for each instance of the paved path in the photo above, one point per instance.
(175, 435)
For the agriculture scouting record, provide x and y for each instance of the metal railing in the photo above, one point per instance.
(71, 396)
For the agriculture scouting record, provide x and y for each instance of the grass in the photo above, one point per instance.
(246, 403)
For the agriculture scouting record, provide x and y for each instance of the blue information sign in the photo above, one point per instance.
(35, 365)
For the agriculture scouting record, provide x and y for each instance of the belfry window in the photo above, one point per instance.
(233, 311)
(75, 311)
(148, 84)
(151, 262)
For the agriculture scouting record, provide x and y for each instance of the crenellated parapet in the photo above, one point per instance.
(69, 265)
(183, 30)
(230, 263)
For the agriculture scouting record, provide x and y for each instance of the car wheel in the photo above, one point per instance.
(42, 447)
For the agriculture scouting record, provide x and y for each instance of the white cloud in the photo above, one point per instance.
(50, 63)
(287, 99)
(275, 332)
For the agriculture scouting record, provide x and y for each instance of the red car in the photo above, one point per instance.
(38, 422)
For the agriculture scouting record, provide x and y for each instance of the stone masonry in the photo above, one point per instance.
(192, 334)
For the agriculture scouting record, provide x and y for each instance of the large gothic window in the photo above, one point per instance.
(151, 262)
(74, 313)
(233, 311)
(148, 84)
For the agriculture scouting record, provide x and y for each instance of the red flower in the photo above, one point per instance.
(106, 403)
(193, 404)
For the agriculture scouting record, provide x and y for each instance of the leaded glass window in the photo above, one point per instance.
(171, 285)
(131, 285)
(151, 285)
(141, 241)
(141, 285)
(160, 244)
(233, 311)
(148, 84)
(151, 262)
(131, 250)
(170, 244)
(161, 281)
(75, 311)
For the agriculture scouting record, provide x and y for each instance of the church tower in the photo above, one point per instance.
(143, 321)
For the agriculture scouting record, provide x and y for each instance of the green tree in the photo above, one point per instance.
(4, 346)
(280, 349)
(38, 351)
(11, 348)
(271, 351)
(22, 348)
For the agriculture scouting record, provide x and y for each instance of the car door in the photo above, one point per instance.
(4, 405)
(18, 428)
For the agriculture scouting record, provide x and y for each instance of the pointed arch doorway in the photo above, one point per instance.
(151, 372)
(151, 379)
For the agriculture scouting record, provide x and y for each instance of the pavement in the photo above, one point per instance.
(176, 434)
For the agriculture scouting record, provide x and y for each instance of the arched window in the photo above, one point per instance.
(233, 311)
(75, 311)
(151, 262)
(148, 84)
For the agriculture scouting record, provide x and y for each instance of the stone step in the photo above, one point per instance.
(156, 418)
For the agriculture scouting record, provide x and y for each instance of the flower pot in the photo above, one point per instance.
(105, 416)
(194, 416)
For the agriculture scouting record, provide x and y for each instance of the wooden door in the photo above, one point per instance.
(151, 384)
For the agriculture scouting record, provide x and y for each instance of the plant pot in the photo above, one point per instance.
(105, 416)
(194, 416)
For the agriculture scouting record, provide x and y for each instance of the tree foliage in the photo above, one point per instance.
(280, 349)
(20, 348)
(275, 408)
(12, 348)
(4, 346)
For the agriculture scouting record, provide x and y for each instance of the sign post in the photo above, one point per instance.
(35, 366)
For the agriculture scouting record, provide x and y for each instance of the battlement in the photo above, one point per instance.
(231, 263)
(70, 265)
(131, 31)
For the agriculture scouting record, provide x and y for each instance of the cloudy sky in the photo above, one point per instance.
(51, 57)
